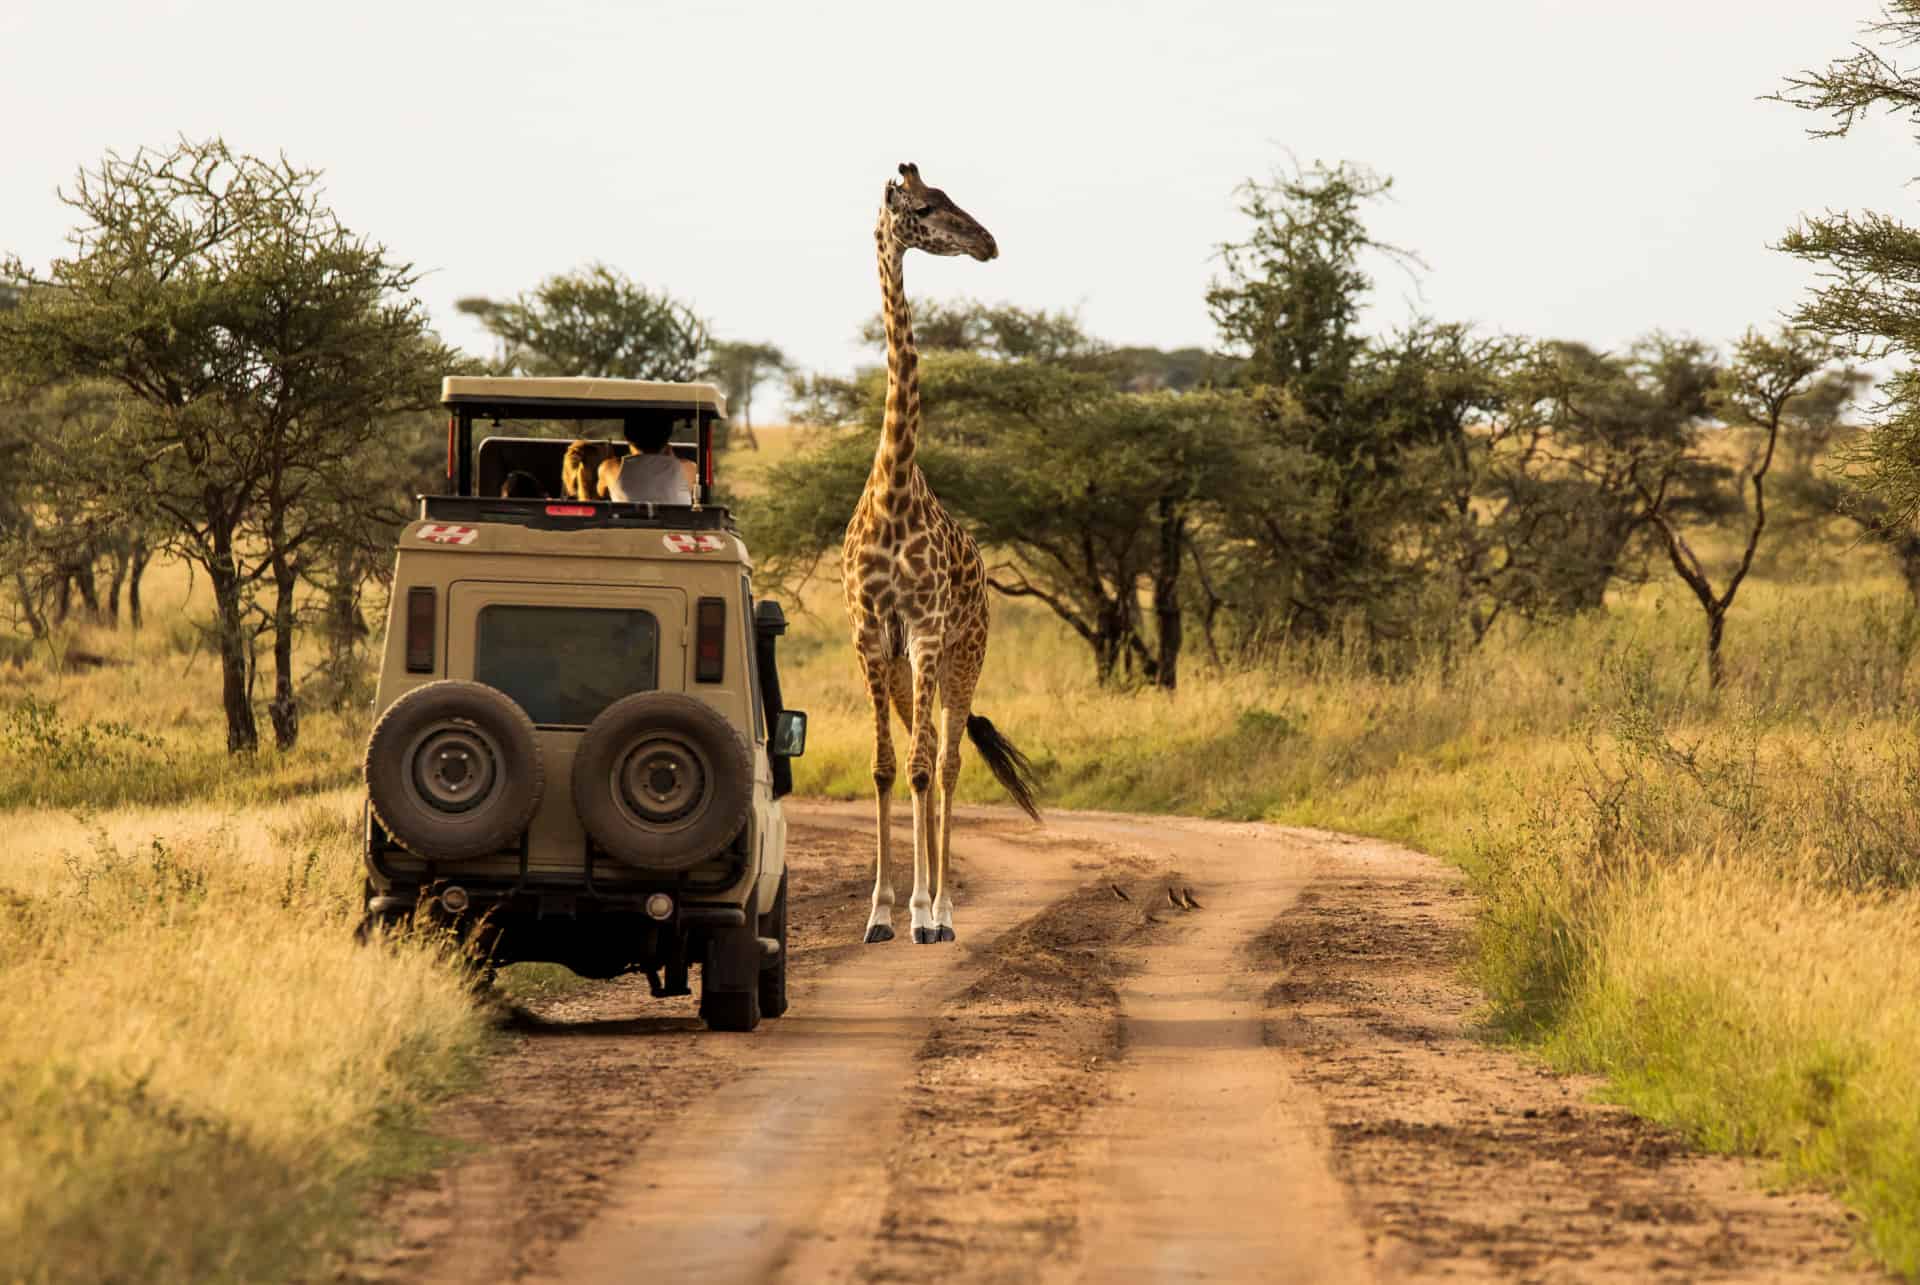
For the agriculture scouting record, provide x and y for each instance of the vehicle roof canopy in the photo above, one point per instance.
(575, 397)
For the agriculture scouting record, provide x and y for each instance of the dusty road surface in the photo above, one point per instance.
(1094, 1083)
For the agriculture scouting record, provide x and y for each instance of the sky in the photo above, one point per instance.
(1565, 170)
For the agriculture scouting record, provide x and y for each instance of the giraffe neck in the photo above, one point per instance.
(893, 460)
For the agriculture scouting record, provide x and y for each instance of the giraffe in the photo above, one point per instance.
(917, 590)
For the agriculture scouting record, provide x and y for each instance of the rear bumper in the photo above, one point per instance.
(556, 903)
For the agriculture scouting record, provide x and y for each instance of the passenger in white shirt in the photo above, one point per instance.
(655, 474)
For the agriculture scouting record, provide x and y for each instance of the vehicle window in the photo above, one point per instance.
(566, 664)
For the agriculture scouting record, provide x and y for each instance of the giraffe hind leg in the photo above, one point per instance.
(956, 702)
(926, 686)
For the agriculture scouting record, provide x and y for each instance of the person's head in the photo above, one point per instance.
(648, 436)
(522, 485)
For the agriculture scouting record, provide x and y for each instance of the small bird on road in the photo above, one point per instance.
(1173, 899)
(1119, 892)
(1186, 898)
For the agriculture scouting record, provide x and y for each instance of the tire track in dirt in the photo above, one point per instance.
(1211, 1155)
(1471, 1162)
(988, 1170)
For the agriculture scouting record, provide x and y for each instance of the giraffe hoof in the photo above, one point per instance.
(944, 934)
(925, 936)
(878, 932)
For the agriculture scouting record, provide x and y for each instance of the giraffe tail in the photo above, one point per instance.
(1009, 766)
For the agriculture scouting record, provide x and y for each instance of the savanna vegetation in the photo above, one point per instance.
(1630, 635)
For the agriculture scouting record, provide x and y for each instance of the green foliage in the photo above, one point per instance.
(35, 733)
(595, 320)
(256, 345)
(1004, 331)
(1085, 490)
(1869, 262)
(798, 516)
(1584, 450)
(1291, 294)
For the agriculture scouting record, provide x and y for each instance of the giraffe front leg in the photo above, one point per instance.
(920, 778)
(880, 917)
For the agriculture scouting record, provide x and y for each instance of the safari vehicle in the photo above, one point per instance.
(580, 746)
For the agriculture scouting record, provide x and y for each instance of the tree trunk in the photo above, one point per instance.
(1907, 550)
(283, 709)
(36, 623)
(137, 566)
(89, 590)
(1716, 626)
(122, 560)
(243, 734)
(1109, 640)
(1166, 596)
(345, 625)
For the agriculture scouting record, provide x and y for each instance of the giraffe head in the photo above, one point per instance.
(921, 217)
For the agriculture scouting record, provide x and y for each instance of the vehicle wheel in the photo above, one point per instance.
(773, 970)
(730, 980)
(661, 780)
(453, 770)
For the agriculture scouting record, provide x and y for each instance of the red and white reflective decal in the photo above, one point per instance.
(445, 533)
(678, 543)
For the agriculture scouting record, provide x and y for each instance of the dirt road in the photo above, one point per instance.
(1092, 1084)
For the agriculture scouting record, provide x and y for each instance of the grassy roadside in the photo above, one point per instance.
(199, 1070)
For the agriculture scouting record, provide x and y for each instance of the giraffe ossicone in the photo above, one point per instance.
(916, 591)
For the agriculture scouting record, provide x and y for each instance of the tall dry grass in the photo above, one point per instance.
(199, 1070)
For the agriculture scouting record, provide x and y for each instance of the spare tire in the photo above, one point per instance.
(453, 770)
(661, 780)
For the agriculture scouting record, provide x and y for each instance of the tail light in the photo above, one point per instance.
(420, 614)
(710, 640)
(570, 510)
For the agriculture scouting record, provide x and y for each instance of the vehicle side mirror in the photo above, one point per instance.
(789, 734)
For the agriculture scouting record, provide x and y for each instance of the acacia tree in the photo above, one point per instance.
(254, 340)
(1348, 423)
(595, 320)
(1758, 388)
(1615, 430)
(1869, 262)
(1099, 504)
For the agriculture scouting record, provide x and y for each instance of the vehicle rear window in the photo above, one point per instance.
(566, 664)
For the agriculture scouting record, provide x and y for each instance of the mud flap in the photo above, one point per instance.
(730, 980)
(733, 960)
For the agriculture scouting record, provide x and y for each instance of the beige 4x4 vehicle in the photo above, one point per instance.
(580, 745)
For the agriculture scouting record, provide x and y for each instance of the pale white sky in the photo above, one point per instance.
(1566, 169)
